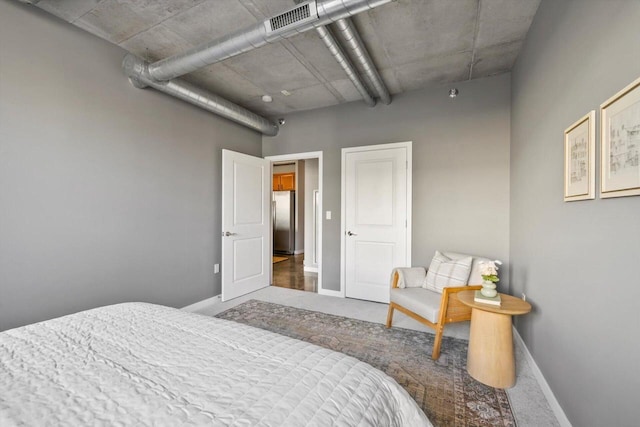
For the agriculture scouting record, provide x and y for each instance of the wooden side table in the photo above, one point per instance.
(490, 357)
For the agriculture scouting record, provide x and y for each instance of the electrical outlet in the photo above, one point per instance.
(216, 268)
(524, 296)
(328, 215)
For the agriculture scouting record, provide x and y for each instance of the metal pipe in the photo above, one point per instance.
(353, 42)
(289, 23)
(138, 72)
(345, 63)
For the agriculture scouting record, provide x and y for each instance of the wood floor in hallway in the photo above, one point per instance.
(290, 274)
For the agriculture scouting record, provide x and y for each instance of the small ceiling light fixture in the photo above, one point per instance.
(285, 92)
(267, 98)
(281, 122)
(453, 92)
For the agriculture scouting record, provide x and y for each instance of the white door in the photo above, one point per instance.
(246, 186)
(376, 201)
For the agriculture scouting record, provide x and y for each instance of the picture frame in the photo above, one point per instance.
(620, 143)
(579, 159)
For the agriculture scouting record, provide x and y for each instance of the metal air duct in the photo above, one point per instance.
(345, 63)
(138, 72)
(305, 16)
(355, 45)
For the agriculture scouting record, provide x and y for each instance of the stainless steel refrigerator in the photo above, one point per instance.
(284, 221)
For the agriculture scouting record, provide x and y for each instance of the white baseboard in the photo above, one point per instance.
(311, 269)
(202, 304)
(330, 293)
(298, 252)
(546, 390)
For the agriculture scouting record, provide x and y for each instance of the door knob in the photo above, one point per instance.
(351, 234)
(227, 234)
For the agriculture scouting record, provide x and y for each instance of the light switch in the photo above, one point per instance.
(328, 215)
(216, 268)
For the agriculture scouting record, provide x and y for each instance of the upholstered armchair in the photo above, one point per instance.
(439, 305)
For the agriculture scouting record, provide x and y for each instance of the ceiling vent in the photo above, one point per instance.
(303, 12)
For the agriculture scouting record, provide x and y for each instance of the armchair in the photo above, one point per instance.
(432, 308)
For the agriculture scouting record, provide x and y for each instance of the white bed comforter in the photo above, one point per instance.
(142, 364)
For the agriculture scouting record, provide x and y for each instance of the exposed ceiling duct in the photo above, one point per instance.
(161, 75)
(303, 17)
(343, 60)
(359, 52)
(345, 63)
(137, 71)
(408, 53)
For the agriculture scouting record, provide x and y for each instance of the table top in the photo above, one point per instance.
(510, 305)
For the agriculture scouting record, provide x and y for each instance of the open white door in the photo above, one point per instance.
(246, 186)
(376, 209)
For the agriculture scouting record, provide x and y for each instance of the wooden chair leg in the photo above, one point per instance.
(390, 316)
(437, 342)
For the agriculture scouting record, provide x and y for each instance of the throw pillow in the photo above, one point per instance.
(446, 272)
(410, 277)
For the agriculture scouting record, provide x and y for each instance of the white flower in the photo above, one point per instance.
(489, 268)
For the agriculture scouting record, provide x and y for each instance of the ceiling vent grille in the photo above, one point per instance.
(303, 12)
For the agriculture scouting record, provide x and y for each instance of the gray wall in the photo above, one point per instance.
(577, 262)
(107, 193)
(460, 164)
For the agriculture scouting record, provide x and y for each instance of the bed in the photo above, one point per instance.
(144, 364)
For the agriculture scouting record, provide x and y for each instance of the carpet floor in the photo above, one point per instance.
(443, 389)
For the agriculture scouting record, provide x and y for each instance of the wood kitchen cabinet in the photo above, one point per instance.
(284, 181)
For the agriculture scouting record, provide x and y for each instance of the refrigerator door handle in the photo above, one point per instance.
(273, 213)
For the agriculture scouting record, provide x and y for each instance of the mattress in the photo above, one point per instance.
(143, 364)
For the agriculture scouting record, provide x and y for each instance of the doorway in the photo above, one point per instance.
(296, 221)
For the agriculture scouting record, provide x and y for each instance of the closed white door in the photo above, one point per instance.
(376, 186)
(246, 261)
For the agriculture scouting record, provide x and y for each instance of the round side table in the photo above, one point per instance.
(490, 357)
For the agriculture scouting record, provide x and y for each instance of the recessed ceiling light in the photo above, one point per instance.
(285, 92)
(267, 98)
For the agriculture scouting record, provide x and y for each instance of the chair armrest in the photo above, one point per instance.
(394, 281)
(447, 293)
(457, 289)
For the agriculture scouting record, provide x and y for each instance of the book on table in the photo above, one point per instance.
(487, 300)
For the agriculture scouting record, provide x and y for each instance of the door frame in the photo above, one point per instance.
(304, 156)
(343, 209)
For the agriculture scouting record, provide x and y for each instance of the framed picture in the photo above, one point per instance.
(620, 143)
(579, 161)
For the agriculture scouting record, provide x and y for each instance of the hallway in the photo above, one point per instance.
(290, 274)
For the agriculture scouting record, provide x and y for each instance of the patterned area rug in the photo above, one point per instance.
(443, 389)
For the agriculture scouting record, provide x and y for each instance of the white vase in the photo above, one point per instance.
(488, 289)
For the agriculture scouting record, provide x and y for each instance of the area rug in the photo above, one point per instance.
(277, 259)
(443, 389)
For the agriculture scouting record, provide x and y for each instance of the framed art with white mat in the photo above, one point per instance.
(579, 159)
(620, 143)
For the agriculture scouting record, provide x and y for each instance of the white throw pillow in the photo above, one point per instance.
(446, 272)
(410, 277)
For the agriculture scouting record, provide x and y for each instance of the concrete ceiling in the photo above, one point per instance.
(414, 44)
